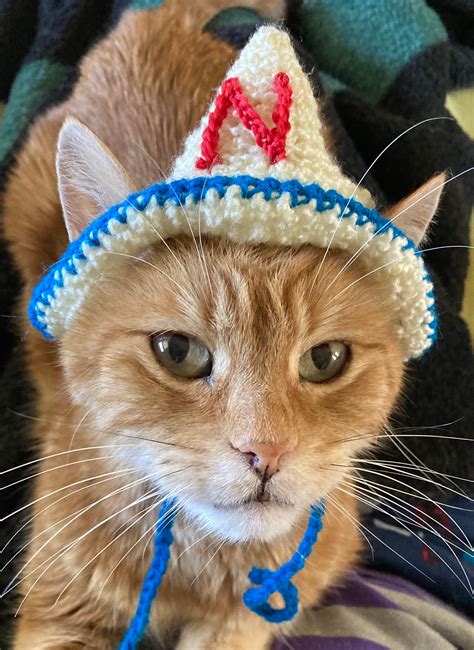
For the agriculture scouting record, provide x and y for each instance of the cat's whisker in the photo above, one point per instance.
(60, 453)
(56, 556)
(109, 544)
(436, 427)
(183, 292)
(392, 142)
(174, 511)
(208, 562)
(394, 261)
(362, 248)
(148, 530)
(87, 533)
(161, 238)
(159, 442)
(51, 469)
(330, 499)
(406, 451)
(79, 514)
(27, 416)
(411, 475)
(417, 492)
(14, 316)
(76, 430)
(196, 541)
(380, 436)
(374, 504)
(334, 314)
(381, 541)
(16, 580)
(285, 640)
(110, 477)
(145, 546)
(201, 258)
(394, 464)
(419, 520)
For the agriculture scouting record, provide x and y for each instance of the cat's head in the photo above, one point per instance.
(242, 378)
(245, 369)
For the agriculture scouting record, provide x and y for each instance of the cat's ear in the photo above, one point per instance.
(90, 178)
(417, 210)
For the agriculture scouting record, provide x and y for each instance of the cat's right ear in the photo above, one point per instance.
(90, 178)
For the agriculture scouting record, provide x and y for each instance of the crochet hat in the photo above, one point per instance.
(255, 170)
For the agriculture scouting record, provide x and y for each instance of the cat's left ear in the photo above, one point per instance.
(417, 210)
(90, 178)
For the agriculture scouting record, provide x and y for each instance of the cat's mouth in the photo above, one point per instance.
(260, 500)
(251, 517)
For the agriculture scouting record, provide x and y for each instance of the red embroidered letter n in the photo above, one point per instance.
(272, 141)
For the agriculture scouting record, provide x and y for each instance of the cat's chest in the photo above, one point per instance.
(205, 564)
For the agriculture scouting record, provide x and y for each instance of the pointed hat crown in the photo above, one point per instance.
(265, 121)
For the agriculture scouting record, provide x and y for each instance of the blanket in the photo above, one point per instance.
(383, 67)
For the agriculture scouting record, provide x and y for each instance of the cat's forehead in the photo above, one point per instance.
(261, 291)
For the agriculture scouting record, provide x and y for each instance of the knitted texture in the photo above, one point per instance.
(272, 142)
(267, 57)
(163, 541)
(279, 581)
(289, 213)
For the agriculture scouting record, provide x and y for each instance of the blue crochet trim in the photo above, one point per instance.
(163, 541)
(279, 581)
(198, 188)
(255, 598)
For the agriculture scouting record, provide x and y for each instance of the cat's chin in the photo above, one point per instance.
(247, 522)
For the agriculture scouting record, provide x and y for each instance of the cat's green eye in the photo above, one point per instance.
(324, 361)
(182, 355)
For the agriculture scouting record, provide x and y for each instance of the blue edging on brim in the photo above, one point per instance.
(179, 191)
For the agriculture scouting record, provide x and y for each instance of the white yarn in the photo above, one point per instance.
(256, 220)
(278, 224)
(268, 52)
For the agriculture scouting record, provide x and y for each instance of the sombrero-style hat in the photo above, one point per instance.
(256, 170)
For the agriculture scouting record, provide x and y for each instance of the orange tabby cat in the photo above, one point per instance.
(245, 451)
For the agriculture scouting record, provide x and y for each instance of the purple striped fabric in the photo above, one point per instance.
(327, 643)
(359, 608)
(358, 592)
(395, 583)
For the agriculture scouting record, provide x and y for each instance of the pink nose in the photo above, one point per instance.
(264, 458)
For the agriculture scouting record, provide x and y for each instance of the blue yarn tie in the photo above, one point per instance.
(268, 582)
(163, 541)
(279, 581)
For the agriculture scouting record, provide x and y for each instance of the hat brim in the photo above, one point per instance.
(243, 209)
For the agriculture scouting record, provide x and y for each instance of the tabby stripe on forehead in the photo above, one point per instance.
(272, 141)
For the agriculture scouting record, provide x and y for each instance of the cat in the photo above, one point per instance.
(232, 431)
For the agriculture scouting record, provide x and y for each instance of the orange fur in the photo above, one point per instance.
(255, 307)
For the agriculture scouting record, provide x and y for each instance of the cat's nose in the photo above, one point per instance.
(265, 459)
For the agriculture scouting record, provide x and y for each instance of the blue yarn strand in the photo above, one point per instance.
(279, 581)
(268, 582)
(163, 541)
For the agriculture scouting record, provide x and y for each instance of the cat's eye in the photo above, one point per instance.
(182, 355)
(324, 361)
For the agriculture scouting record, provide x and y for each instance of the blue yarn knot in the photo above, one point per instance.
(279, 581)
